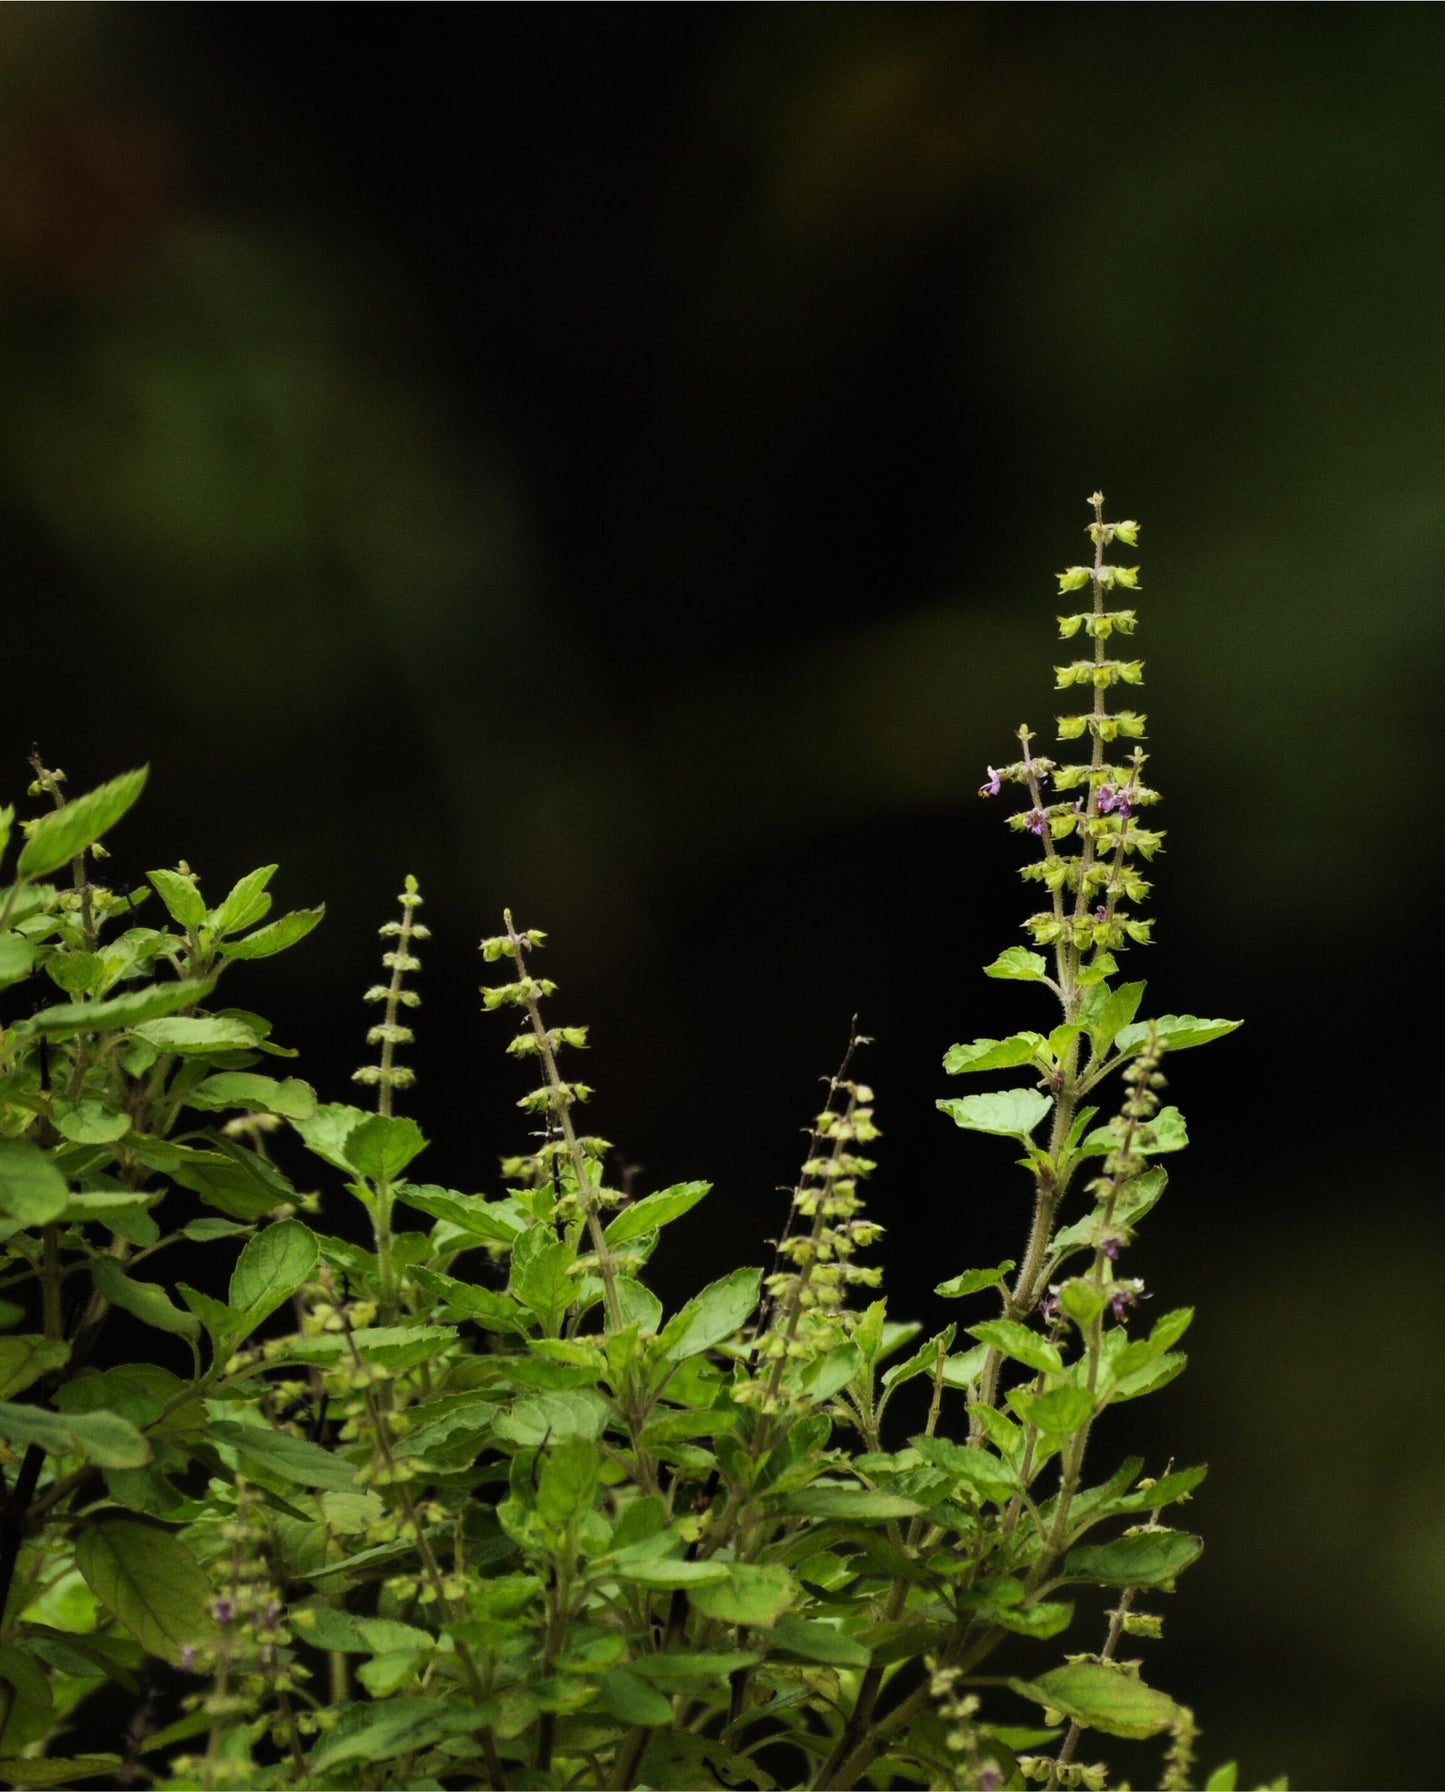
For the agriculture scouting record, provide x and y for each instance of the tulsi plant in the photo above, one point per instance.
(463, 1505)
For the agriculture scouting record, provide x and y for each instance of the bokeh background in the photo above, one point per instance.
(612, 460)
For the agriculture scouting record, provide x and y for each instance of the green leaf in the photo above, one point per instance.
(382, 1146)
(849, 1502)
(498, 1222)
(974, 1470)
(56, 838)
(148, 1301)
(122, 1392)
(394, 1347)
(266, 941)
(972, 1280)
(677, 1762)
(1148, 1559)
(1018, 965)
(88, 1121)
(32, 1190)
(754, 1595)
(117, 1013)
(541, 1275)
(279, 1453)
(291, 1099)
(239, 1181)
(993, 1054)
(1224, 1778)
(495, 1311)
(150, 1581)
(1174, 1032)
(668, 1575)
(925, 1358)
(674, 1667)
(550, 1416)
(653, 1211)
(568, 1481)
(195, 1035)
(710, 1317)
(815, 1641)
(823, 1377)
(271, 1267)
(247, 903)
(184, 902)
(630, 1699)
(102, 1437)
(381, 1730)
(17, 959)
(1102, 1697)
(1018, 1342)
(1106, 1010)
(1167, 1126)
(53, 1771)
(1056, 1413)
(1009, 1113)
(25, 1358)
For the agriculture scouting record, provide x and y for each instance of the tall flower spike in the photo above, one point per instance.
(389, 1032)
(1093, 889)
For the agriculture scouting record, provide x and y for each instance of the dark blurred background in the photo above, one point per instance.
(613, 460)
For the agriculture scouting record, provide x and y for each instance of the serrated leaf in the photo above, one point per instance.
(499, 1222)
(1168, 1129)
(1174, 1032)
(1019, 1342)
(150, 1582)
(1057, 1413)
(1102, 1697)
(55, 839)
(88, 1121)
(568, 1480)
(677, 1762)
(279, 1453)
(974, 1470)
(1106, 1010)
(721, 1309)
(102, 1437)
(849, 1502)
(247, 903)
(290, 1098)
(628, 1697)
(550, 1416)
(383, 1145)
(1148, 1559)
(147, 1301)
(17, 959)
(116, 1013)
(816, 1641)
(32, 1190)
(183, 901)
(25, 1358)
(1008, 1113)
(53, 1771)
(266, 941)
(654, 1211)
(1017, 964)
(668, 1574)
(193, 1035)
(993, 1054)
(271, 1267)
(754, 1594)
(973, 1280)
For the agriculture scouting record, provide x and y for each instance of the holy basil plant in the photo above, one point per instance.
(439, 1494)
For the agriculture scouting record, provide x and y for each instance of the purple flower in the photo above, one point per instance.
(223, 1610)
(1113, 801)
(990, 1779)
(1101, 914)
(1035, 821)
(1049, 1305)
(1125, 1295)
(994, 785)
(1111, 1249)
(188, 1658)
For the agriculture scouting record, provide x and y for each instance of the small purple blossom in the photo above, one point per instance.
(1036, 821)
(1101, 914)
(990, 1779)
(994, 785)
(223, 1610)
(1049, 1305)
(1125, 1295)
(1113, 801)
(188, 1658)
(1110, 1248)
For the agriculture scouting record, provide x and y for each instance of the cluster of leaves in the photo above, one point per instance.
(462, 1505)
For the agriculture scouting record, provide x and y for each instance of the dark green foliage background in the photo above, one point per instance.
(612, 460)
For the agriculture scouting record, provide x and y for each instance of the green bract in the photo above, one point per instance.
(443, 1496)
